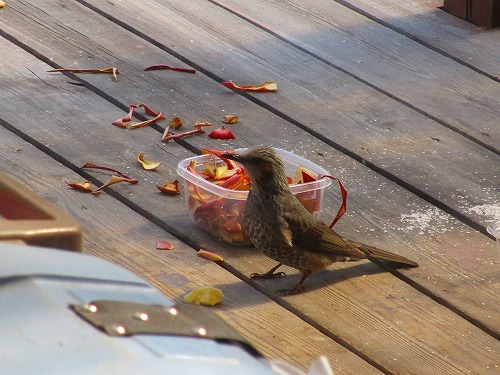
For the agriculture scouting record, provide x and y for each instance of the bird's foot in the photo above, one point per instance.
(287, 292)
(267, 275)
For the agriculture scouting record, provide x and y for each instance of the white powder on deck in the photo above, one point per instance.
(432, 220)
(491, 212)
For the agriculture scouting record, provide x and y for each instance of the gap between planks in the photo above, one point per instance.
(415, 38)
(132, 205)
(356, 156)
(385, 92)
(96, 214)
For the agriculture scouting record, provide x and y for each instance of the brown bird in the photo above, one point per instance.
(281, 227)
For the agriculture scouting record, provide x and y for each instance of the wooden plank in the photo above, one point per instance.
(394, 64)
(391, 62)
(405, 146)
(414, 217)
(353, 295)
(115, 232)
(424, 21)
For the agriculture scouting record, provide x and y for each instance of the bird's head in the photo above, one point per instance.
(264, 166)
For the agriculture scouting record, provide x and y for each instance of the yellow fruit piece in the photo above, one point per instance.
(220, 171)
(229, 119)
(207, 296)
(210, 256)
(303, 175)
(2, 4)
(148, 165)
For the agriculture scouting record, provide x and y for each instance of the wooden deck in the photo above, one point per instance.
(398, 99)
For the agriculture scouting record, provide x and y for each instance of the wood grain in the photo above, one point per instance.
(382, 214)
(114, 232)
(394, 63)
(75, 143)
(407, 147)
(433, 224)
(425, 21)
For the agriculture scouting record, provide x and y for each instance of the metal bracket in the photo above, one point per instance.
(122, 318)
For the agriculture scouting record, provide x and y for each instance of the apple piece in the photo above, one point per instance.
(303, 175)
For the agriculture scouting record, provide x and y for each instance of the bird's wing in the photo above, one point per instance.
(312, 234)
(287, 235)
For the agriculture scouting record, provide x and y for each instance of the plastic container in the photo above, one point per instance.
(219, 210)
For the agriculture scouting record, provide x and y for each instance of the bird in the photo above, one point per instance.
(281, 228)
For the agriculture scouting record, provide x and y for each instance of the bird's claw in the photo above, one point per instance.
(255, 276)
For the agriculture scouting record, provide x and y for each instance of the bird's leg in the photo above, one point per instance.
(268, 275)
(298, 288)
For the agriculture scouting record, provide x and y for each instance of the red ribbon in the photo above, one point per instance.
(343, 191)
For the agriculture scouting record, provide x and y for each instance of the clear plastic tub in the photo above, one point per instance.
(219, 210)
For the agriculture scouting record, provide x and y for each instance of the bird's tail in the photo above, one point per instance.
(374, 253)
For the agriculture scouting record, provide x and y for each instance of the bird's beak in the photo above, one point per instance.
(236, 157)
